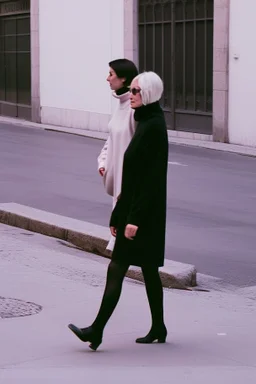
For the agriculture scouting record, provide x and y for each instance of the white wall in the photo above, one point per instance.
(242, 73)
(77, 40)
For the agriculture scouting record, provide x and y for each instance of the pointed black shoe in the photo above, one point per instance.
(158, 335)
(87, 335)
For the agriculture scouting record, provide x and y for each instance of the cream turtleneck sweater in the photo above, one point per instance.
(121, 130)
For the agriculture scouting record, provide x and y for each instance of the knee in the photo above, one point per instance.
(150, 274)
(112, 267)
(117, 269)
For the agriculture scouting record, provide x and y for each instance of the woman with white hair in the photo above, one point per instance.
(138, 220)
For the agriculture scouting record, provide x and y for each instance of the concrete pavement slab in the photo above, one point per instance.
(125, 375)
(211, 335)
(89, 237)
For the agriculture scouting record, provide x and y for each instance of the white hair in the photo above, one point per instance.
(151, 86)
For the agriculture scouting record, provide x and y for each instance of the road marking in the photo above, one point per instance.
(176, 163)
(221, 334)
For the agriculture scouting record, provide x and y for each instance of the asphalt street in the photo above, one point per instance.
(211, 195)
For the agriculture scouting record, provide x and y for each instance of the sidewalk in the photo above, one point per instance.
(175, 137)
(211, 335)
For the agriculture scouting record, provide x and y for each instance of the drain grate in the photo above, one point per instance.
(17, 308)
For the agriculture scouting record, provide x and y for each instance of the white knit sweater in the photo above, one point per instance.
(121, 130)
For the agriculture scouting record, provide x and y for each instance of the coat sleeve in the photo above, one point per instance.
(133, 123)
(115, 213)
(103, 155)
(151, 166)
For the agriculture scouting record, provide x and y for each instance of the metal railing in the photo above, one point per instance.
(176, 41)
(15, 66)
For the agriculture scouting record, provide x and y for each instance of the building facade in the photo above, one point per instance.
(54, 62)
(242, 79)
(75, 51)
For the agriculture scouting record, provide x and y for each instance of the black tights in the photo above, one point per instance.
(115, 278)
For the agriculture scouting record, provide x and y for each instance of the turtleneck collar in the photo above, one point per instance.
(122, 90)
(146, 111)
(123, 97)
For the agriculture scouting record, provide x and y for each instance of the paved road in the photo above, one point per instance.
(211, 197)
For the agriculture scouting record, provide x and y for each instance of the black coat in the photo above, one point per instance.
(143, 194)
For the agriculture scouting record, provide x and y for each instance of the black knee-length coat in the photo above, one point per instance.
(142, 201)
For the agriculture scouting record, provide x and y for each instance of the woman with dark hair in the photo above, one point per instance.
(139, 219)
(121, 129)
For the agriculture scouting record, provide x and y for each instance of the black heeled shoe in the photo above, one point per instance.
(158, 335)
(87, 335)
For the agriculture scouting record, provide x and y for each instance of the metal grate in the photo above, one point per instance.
(176, 41)
(15, 66)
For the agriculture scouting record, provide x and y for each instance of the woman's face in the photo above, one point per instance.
(135, 96)
(114, 81)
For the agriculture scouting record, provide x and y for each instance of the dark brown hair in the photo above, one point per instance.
(124, 68)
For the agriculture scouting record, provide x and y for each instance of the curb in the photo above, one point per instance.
(90, 238)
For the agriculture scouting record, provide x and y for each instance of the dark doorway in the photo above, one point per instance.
(15, 60)
(176, 41)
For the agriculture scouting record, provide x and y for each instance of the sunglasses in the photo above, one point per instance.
(134, 91)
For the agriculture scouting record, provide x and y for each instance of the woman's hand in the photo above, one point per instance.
(102, 171)
(130, 231)
(113, 231)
